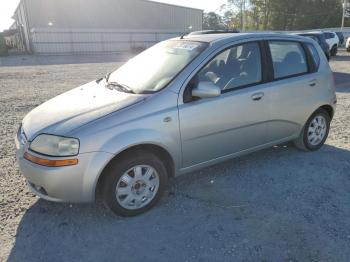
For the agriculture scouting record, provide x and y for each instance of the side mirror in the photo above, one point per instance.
(206, 89)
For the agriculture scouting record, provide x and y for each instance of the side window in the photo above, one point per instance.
(233, 68)
(314, 54)
(288, 58)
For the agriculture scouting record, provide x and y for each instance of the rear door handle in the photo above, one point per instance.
(257, 96)
(312, 82)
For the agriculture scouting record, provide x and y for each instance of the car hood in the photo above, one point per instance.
(75, 108)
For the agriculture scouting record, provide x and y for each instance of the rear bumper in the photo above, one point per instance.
(75, 184)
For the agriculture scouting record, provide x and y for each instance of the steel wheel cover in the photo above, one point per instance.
(317, 130)
(137, 187)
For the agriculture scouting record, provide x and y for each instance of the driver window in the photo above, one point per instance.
(233, 68)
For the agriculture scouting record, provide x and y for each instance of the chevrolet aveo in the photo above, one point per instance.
(181, 105)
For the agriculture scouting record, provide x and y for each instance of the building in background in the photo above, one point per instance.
(97, 26)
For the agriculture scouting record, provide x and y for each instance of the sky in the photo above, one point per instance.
(7, 8)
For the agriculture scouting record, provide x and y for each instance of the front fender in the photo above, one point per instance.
(125, 140)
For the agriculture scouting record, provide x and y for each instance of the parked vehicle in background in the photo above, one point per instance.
(347, 45)
(203, 99)
(333, 42)
(320, 39)
(341, 38)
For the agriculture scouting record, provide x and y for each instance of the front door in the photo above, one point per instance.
(232, 122)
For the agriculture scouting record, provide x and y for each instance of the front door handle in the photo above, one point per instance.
(257, 96)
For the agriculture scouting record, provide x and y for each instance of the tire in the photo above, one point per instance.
(334, 50)
(328, 57)
(135, 175)
(303, 141)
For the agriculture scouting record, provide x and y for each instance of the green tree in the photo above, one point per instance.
(238, 10)
(285, 14)
(212, 21)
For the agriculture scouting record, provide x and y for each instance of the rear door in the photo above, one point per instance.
(291, 89)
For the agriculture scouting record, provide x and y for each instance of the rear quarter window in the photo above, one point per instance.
(314, 54)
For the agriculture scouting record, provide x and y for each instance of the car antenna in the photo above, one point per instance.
(182, 36)
(186, 33)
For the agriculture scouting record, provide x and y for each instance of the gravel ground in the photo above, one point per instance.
(274, 205)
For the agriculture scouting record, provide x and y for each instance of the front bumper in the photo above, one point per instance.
(74, 184)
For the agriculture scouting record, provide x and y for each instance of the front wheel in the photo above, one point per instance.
(315, 131)
(134, 183)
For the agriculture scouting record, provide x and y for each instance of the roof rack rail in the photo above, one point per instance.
(205, 32)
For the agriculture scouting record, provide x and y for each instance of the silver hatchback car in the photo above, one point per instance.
(181, 105)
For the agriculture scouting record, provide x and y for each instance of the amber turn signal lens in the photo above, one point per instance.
(49, 162)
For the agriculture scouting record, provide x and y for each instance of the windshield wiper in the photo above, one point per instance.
(105, 77)
(120, 87)
(115, 85)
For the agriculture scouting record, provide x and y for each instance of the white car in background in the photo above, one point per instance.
(333, 41)
(347, 45)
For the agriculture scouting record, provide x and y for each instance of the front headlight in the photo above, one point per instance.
(52, 145)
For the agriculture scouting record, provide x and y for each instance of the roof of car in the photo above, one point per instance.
(210, 38)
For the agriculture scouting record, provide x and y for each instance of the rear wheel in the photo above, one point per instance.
(315, 131)
(327, 56)
(334, 50)
(134, 184)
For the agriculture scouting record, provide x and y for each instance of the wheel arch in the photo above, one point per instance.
(329, 109)
(159, 151)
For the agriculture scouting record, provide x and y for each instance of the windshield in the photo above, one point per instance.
(154, 68)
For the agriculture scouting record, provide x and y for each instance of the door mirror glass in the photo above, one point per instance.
(206, 89)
